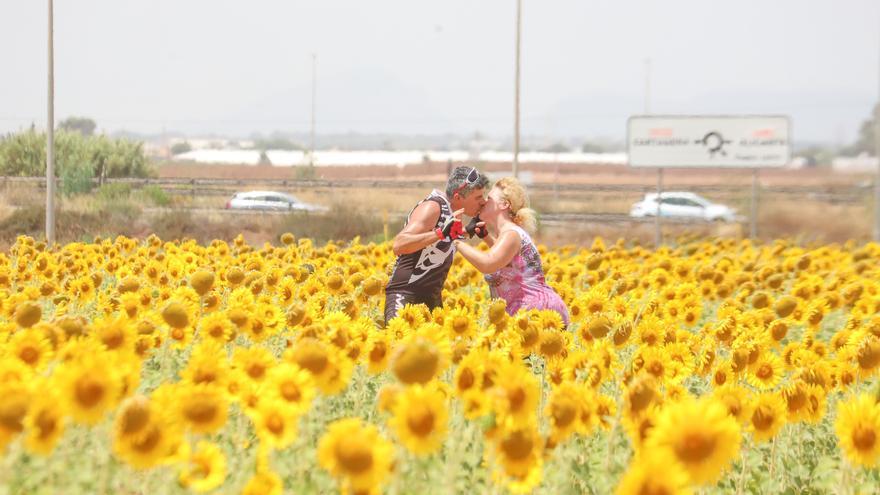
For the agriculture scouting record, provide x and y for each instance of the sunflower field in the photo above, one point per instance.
(711, 366)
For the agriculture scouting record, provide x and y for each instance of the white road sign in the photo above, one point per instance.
(708, 141)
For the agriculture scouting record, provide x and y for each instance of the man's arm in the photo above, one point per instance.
(419, 232)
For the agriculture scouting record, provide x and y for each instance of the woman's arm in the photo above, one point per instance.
(498, 256)
(490, 239)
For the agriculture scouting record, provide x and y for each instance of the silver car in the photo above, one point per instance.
(682, 205)
(269, 200)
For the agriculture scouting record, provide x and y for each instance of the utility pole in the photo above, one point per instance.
(658, 232)
(877, 155)
(314, 91)
(516, 91)
(647, 85)
(50, 134)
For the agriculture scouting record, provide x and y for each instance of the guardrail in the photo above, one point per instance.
(546, 218)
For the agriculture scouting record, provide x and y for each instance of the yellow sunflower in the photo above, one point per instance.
(768, 416)
(89, 386)
(377, 351)
(515, 395)
(356, 453)
(143, 436)
(564, 410)
(420, 418)
(255, 362)
(766, 372)
(699, 434)
(275, 422)
(329, 367)
(413, 315)
(654, 473)
(264, 482)
(459, 323)
(31, 347)
(216, 326)
(736, 399)
(292, 385)
(203, 408)
(44, 422)
(858, 429)
(518, 451)
(205, 469)
(207, 364)
(419, 359)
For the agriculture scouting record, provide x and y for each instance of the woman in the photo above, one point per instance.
(512, 264)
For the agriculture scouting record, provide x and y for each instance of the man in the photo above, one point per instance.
(424, 247)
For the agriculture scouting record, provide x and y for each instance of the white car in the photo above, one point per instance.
(682, 205)
(269, 200)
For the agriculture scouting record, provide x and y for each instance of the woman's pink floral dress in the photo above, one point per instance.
(521, 283)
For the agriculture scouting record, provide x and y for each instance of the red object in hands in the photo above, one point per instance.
(456, 232)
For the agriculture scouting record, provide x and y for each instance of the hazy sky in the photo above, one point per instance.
(415, 66)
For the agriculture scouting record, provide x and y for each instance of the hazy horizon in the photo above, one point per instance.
(395, 67)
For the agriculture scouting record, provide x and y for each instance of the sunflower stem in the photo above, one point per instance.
(742, 472)
(772, 458)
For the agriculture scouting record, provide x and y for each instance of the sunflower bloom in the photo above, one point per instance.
(766, 373)
(700, 435)
(420, 419)
(89, 388)
(203, 408)
(654, 474)
(44, 423)
(518, 452)
(768, 416)
(206, 468)
(858, 430)
(356, 453)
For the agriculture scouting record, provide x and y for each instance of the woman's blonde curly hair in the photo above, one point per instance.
(515, 194)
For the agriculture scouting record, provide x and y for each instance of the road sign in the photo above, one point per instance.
(708, 141)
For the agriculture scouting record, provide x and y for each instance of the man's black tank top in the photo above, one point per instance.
(424, 271)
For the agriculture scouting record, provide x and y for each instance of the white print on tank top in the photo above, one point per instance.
(431, 258)
(398, 302)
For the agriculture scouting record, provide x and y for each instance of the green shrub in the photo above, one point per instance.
(76, 179)
(114, 191)
(156, 195)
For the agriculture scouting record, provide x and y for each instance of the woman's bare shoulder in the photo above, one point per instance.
(509, 229)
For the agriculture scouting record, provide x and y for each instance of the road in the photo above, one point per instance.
(547, 219)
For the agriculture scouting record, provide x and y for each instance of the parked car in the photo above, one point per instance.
(682, 205)
(269, 200)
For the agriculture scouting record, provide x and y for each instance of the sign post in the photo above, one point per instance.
(712, 141)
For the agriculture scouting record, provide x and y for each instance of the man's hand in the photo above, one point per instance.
(451, 229)
(476, 227)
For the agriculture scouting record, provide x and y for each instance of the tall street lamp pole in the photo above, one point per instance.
(50, 135)
(516, 91)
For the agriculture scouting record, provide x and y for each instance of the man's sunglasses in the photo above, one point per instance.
(472, 177)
